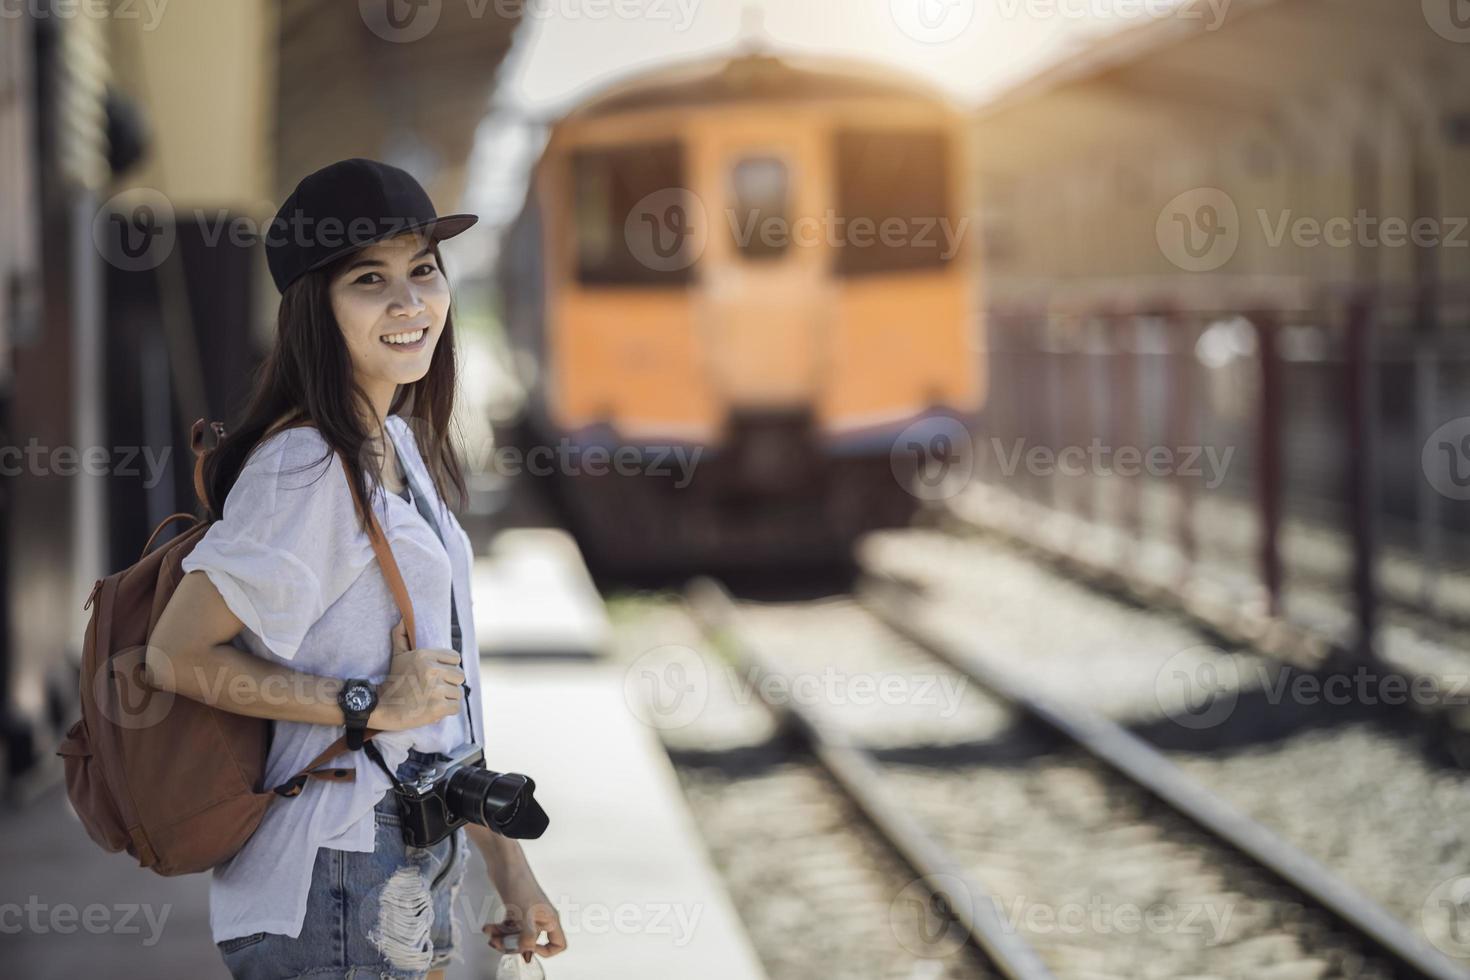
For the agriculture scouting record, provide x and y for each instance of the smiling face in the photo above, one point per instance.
(391, 301)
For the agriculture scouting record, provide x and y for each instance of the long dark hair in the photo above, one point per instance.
(308, 376)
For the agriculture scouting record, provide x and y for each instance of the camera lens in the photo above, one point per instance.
(477, 794)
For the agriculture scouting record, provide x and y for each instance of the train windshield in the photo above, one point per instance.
(892, 201)
(759, 187)
(632, 225)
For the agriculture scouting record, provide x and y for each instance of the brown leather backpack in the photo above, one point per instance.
(173, 781)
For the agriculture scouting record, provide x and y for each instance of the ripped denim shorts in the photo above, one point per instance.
(389, 913)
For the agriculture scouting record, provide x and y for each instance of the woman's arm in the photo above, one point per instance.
(189, 653)
(528, 912)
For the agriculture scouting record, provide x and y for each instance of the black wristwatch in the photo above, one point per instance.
(357, 699)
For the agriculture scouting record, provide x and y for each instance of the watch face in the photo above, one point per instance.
(357, 698)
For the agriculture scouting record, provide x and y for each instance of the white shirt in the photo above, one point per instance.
(289, 559)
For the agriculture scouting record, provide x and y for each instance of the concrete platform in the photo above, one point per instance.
(622, 861)
(533, 596)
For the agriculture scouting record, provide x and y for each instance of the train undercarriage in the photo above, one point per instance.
(769, 497)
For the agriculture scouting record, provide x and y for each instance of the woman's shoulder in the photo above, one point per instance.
(288, 459)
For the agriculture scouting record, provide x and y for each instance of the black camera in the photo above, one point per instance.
(451, 794)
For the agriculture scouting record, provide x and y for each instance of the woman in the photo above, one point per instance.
(364, 355)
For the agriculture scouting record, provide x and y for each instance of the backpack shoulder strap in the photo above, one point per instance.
(390, 572)
(381, 550)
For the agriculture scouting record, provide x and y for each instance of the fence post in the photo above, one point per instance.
(1269, 463)
(1362, 431)
(1183, 383)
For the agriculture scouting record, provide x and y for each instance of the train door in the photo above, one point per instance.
(763, 298)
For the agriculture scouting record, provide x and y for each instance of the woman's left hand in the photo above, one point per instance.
(528, 913)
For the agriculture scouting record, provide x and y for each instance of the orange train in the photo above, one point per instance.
(732, 286)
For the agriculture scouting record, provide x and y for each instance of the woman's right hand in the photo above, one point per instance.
(422, 686)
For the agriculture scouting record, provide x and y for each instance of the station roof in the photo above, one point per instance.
(1271, 63)
(754, 75)
(348, 88)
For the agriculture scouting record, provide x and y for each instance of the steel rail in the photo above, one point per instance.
(1146, 767)
(858, 775)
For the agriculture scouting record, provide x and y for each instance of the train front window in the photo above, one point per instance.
(631, 216)
(759, 188)
(892, 201)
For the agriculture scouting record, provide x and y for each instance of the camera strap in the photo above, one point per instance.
(421, 501)
(371, 749)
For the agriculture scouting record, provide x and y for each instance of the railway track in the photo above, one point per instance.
(1018, 848)
(1413, 648)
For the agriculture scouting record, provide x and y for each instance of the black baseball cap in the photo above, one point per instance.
(344, 206)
